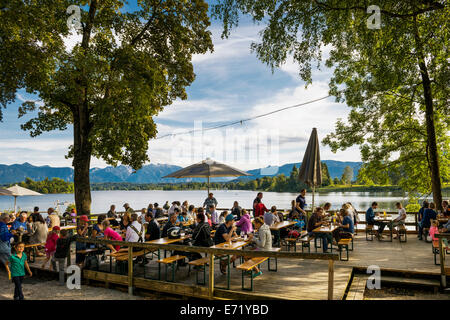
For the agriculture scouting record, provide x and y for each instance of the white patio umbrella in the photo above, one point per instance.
(18, 191)
(206, 169)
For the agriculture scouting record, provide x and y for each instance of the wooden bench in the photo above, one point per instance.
(202, 264)
(402, 233)
(31, 251)
(370, 231)
(171, 262)
(435, 248)
(248, 266)
(306, 242)
(292, 242)
(343, 243)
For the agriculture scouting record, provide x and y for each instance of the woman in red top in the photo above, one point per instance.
(110, 234)
(50, 245)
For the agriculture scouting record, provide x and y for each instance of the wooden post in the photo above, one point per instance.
(130, 270)
(330, 279)
(417, 223)
(211, 277)
(441, 259)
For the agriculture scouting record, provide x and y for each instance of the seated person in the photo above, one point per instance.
(400, 219)
(346, 227)
(271, 218)
(245, 223)
(315, 221)
(97, 229)
(370, 220)
(446, 208)
(153, 232)
(110, 234)
(170, 224)
(224, 233)
(20, 225)
(201, 236)
(262, 241)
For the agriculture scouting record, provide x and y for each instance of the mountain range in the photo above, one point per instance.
(151, 173)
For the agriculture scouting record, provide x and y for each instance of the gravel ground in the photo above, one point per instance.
(41, 289)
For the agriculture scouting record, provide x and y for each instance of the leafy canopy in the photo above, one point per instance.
(376, 73)
(129, 66)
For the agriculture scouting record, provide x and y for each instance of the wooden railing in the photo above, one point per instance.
(415, 223)
(331, 257)
(444, 271)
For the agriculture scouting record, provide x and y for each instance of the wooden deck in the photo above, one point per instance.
(295, 279)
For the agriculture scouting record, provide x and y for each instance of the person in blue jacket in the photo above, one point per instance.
(5, 238)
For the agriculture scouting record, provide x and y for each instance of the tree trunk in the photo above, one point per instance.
(433, 157)
(82, 161)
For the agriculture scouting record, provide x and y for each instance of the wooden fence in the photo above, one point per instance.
(210, 292)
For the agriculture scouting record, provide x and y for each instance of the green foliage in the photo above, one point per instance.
(70, 207)
(126, 69)
(55, 185)
(347, 175)
(396, 79)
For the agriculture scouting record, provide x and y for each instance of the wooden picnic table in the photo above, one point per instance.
(388, 219)
(326, 229)
(230, 245)
(65, 228)
(282, 224)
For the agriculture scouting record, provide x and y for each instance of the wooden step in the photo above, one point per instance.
(411, 281)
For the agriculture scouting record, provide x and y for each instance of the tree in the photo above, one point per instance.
(347, 175)
(128, 66)
(326, 178)
(336, 180)
(396, 78)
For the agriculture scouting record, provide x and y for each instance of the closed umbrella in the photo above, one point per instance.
(18, 191)
(206, 169)
(311, 169)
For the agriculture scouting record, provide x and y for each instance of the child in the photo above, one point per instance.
(50, 246)
(434, 229)
(61, 252)
(18, 263)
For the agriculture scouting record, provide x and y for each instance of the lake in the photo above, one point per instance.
(101, 200)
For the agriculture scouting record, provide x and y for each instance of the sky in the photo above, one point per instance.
(231, 84)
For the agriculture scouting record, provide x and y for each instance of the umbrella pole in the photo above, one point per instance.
(208, 185)
(15, 199)
(314, 189)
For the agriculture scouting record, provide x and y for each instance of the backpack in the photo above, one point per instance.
(92, 263)
(174, 233)
(294, 234)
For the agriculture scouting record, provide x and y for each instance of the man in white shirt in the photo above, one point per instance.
(135, 231)
(400, 219)
(172, 208)
(214, 215)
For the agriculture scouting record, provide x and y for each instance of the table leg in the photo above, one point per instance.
(228, 273)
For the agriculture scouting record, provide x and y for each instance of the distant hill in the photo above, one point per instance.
(151, 173)
(335, 168)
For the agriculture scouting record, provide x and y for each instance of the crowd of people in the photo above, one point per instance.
(196, 222)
